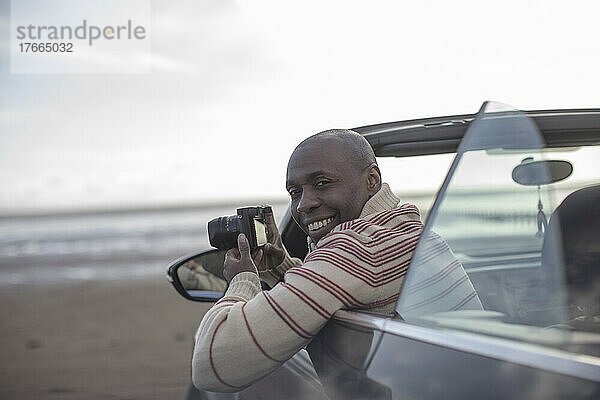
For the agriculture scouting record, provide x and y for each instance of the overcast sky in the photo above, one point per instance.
(235, 85)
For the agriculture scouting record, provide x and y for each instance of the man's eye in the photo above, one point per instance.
(321, 183)
(294, 193)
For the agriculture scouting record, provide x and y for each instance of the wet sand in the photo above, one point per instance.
(96, 340)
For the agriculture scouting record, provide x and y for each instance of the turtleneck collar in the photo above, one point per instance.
(384, 199)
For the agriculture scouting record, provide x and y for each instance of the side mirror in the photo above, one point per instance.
(199, 276)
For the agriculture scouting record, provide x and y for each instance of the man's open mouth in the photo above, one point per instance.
(314, 226)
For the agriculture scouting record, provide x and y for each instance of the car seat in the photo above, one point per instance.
(571, 256)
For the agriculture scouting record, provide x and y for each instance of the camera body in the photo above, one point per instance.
(223, 231)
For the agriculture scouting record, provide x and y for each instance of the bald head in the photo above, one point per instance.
(357, 149)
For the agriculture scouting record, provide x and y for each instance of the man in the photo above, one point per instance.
(361, 244)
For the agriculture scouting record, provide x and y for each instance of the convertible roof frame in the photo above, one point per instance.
(439, 135)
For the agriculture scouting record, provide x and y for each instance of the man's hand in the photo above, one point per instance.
(239, 260)
(273, 251)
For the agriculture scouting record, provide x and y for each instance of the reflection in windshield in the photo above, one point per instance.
(496, 227)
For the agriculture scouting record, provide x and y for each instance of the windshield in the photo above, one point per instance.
(497, 213)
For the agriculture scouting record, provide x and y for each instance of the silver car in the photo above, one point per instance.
(520, 209)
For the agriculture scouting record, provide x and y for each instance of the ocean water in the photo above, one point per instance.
(106, 246)
(140, 243)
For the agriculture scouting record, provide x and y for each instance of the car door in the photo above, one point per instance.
(524, 343)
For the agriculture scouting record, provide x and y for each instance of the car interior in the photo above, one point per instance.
(574, 236)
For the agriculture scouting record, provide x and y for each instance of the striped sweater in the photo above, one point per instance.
(360, 264)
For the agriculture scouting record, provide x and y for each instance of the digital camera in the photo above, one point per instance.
(223, 231)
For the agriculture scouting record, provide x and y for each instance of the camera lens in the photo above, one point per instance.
(223, 232)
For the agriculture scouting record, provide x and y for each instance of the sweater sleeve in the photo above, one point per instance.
(249, 333)
(273, 276)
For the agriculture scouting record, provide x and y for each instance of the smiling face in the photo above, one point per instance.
(327, 185)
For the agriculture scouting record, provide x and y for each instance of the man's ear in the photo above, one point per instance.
(373, 179)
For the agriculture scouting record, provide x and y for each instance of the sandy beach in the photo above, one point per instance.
(127, 339)
(86, 310)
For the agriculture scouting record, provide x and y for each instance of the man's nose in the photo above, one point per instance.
(307, 202)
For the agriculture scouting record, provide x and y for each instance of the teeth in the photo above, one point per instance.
(319, 224)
